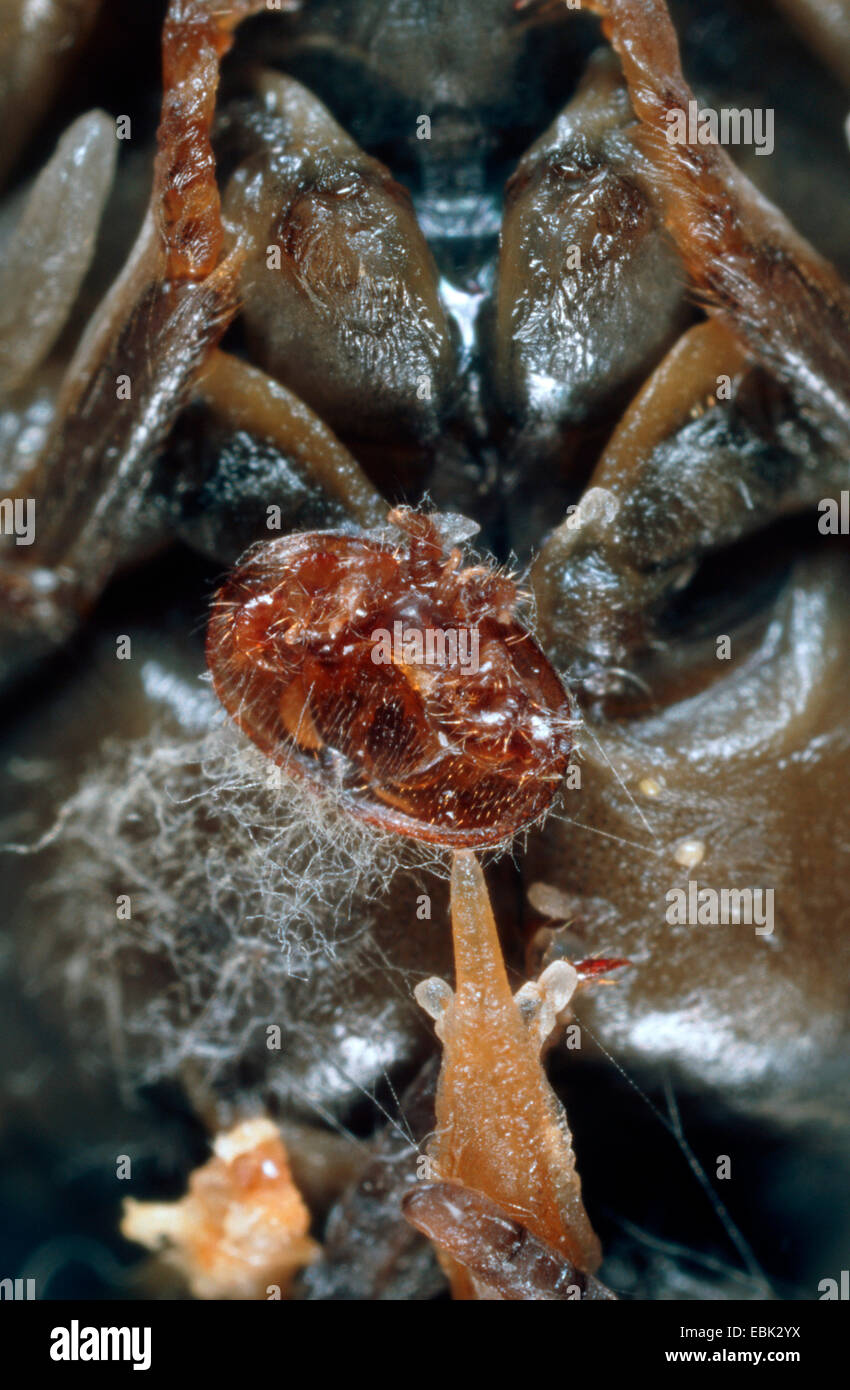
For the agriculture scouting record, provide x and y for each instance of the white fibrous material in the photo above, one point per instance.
(251, 903)
(47, 256)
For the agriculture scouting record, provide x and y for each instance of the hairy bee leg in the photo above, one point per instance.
(136, 363)
(753, 270)
(245, 398)
(500, 1254)
(196, 36)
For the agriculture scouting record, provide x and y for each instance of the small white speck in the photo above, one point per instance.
(689, 853)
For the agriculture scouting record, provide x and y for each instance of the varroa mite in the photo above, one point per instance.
(396, 677)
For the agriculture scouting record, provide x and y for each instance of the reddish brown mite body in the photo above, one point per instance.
(457, 747)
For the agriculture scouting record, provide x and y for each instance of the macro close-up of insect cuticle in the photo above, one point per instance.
(424, 583)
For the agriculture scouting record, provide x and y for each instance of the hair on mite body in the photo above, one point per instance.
(446, 752)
